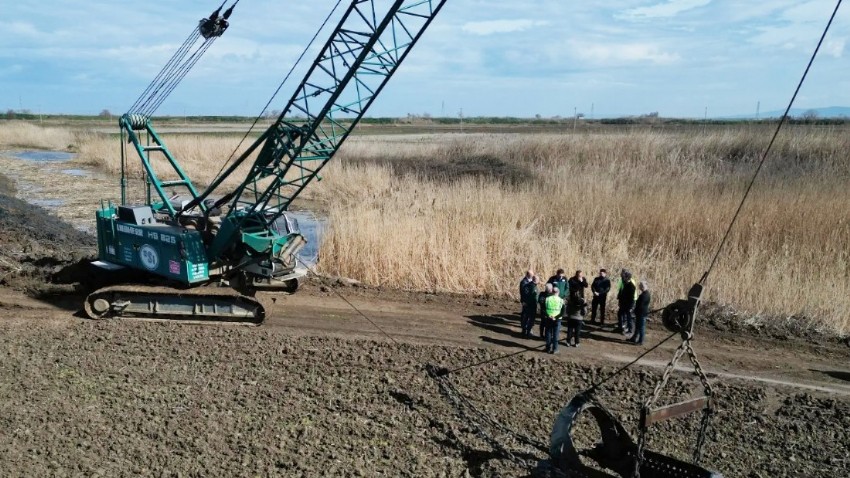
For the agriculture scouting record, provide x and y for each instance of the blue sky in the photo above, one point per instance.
(488, 57)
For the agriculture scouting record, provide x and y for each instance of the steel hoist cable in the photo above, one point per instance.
(764, 156)
(183, 60)
(686, 346)
(166, 70)
(178, 77)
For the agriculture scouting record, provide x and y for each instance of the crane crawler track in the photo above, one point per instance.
(203, 305)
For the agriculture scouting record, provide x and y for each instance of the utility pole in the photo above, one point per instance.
(705, 121)
(460, 114)
(758, 109)
(575, 117)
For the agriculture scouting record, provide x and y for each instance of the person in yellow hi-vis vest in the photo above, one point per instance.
(553, 307)
(626, 300)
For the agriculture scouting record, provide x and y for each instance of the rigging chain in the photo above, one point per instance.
(685, 348)
(462, 404)
(475, 417)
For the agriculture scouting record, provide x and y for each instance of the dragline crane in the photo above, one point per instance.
(241, 236)
(201, 254)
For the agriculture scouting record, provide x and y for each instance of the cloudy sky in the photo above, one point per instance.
(486, 57)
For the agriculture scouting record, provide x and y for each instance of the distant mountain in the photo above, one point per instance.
(828, 112)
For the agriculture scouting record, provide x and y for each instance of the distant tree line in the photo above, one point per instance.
(652, 118)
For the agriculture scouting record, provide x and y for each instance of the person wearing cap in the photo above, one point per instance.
(528, 296)
(554, 307)
(559, 281)
(576, 310)
(600, 288)
(641, 313)
(626, 302)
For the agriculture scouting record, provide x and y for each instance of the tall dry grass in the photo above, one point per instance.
(473, 213)
(201, 156)
(19, 134)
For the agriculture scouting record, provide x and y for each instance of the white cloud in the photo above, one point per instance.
(665, 10)
(618, 53)
(835, 47)
(19, 29)
(501, 26)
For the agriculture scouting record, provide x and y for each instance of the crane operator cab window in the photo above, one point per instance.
(285, 225)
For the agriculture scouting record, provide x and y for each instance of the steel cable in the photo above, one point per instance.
(176, 69)
(782, 121)
(164, 84)
(177, 57)
(179, 75)
(441, 375)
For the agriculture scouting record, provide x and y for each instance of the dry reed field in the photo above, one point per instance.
(470, 213)
(201, 155)
(19, 134)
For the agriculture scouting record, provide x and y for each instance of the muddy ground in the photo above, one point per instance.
(317, 390)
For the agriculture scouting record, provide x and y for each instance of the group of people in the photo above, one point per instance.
(564, 299)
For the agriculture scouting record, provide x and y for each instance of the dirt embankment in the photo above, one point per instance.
(35, 244)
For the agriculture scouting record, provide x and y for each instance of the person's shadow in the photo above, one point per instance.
(836, 374)
(505, 324)
(596, 336)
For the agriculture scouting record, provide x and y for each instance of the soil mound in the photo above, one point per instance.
(35, 244)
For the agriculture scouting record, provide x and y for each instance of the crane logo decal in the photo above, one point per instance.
(149, 257)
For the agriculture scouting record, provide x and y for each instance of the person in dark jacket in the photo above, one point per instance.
(641, 313)
(526, 279)
(528, 296)
(576, 310)
(626, 302)
(541, 299)
(559, 281)
(577, 283)
(600, 288)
